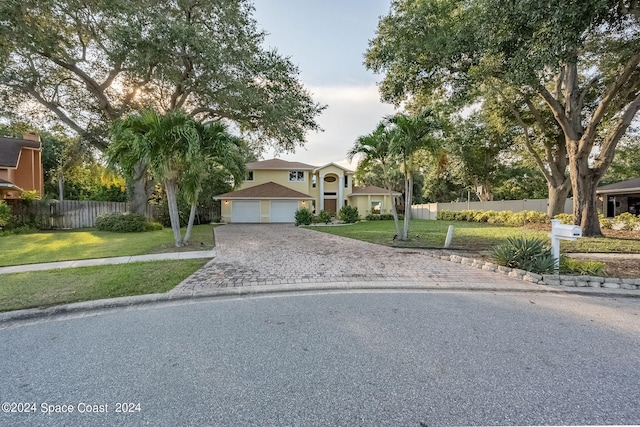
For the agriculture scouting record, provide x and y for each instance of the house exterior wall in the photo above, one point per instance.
(363, 203)
(338, 190)
(279, 177)
(28, 173)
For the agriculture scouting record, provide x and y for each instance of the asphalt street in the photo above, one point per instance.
(331, 359)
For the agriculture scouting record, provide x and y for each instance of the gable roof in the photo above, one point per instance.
(348, 171)
(278, 164)
(371, 190)
(631, 185)
(10, 149)
(270, 190)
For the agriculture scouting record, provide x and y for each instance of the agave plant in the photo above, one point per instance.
(529, 254)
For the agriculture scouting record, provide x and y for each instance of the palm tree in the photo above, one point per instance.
(411, 135)
(375, 149)
(219, 150)
(176, 147)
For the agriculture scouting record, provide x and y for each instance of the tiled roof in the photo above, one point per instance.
(10, 150)
(270, 190)
(276, 164)
(371, 189)
(632, 184)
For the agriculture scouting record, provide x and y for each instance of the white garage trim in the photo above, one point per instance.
(283, 211)
(245, 211)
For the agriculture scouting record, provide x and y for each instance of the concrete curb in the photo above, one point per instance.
(546, 279)
(140, 300)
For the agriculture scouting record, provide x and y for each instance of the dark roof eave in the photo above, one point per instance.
(619, 191)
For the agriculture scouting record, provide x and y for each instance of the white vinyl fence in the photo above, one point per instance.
(430, 210)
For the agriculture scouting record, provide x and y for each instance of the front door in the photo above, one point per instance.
(330, 205)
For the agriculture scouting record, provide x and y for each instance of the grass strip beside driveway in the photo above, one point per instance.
(474, 237)
(63, 286)
(90, 243)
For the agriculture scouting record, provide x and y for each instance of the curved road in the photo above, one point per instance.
(332, 359)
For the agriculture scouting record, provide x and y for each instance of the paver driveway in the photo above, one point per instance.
(272, 254)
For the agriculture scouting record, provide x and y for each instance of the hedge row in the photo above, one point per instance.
(495, 217)
(125, 223)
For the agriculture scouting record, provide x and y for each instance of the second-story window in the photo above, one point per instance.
(346, 181)
(250, 176)
(296, 175)
(314, 181)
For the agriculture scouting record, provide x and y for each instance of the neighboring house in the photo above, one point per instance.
(275, 189)
(620, 197)
(20, 166)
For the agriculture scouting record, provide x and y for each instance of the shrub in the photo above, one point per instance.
(5, 213)
(324, 217)
(121, 223)
(303, 216)
(628, 220)
(493, 217)
(526, 254)
(153, 226)
(581, 267)
(565, 218)
(382, 217)
(349, 214)
(605, 222)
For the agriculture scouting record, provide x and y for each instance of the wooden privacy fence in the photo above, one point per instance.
(430, 210)
(52, 214)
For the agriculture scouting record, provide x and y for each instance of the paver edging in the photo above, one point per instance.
(545, 279)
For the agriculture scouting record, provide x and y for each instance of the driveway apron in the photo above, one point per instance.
(277, 254)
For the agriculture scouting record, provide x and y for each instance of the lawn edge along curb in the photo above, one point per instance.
(138, 300)
(130, 301)
(541, 279)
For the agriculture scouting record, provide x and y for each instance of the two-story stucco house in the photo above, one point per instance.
(20, 166)
(275, 189)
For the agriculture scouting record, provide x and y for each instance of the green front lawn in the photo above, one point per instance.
(47, 288)
(472, 237)
(90, 243)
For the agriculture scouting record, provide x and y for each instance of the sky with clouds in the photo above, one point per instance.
(327, 39)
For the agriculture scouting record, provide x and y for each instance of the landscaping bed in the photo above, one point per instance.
(478, 239)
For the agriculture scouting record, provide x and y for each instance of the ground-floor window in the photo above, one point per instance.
(376, 206)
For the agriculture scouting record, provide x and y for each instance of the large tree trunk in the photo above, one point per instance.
(557, 197)
(585, 183)
(171, 188)
(139, 195)
(192, 217)
(580, 139)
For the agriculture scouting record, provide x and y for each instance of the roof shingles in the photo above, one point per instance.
(275, 164)
(270, 190)
(10, 150)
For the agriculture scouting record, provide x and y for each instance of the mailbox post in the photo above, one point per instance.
(562, 232)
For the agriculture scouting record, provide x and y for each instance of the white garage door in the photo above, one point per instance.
(245, 211)
(283, 211)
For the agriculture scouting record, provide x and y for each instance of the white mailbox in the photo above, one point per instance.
(565, 232)
(562, 232)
